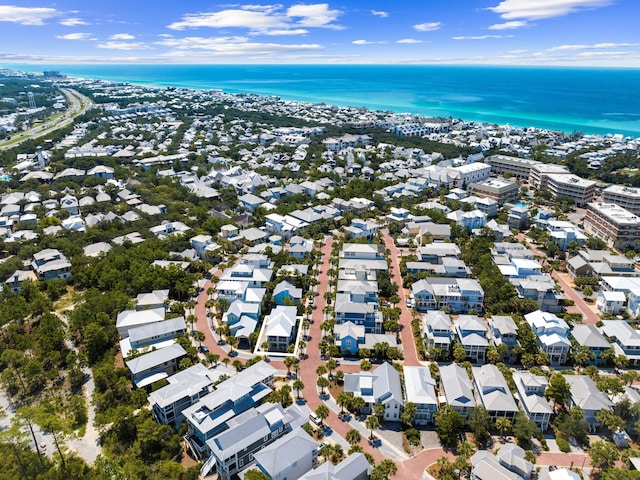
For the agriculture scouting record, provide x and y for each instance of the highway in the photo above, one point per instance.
(78, 104)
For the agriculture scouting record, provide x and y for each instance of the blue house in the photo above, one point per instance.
(348, 336)
(285, 291)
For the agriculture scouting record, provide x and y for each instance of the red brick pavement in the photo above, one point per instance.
(406, 335)
(588, 315)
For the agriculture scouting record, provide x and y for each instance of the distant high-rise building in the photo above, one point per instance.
(32, 100)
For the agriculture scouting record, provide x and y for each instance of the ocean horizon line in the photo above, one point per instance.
(591, 100)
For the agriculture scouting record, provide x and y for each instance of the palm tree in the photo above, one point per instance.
(210, 292)
(378, 409)
(189, 306)
(232, 342)
(322, 412)
(199, 337)
(322, 383)
(353, 437)
(321, 370)
(465, 449)
(192, 319)
(343, 399)
(221, 330)
(289, 362)
(298, 386)
(365, 365)
(357, 404)
(503, 425)
(331, 365)
(372, 423)
(237, 364)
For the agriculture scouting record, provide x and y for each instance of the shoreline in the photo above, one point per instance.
(432, 104)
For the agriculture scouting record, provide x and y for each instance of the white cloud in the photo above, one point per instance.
(229, 46)
(427, 27)
(482, 37)
(602, 54)
(124, 46)
(369, 42)
(76, 36)
(590, 47)
(379, 14)
(26, 16)
(409, 41)
(539, 9)
(295, 31)
(73, 22)
(122, 36)
(270, 19)
(509, 25)
(319, 15)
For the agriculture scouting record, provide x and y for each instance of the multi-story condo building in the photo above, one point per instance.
(625, 197)
(420, 390)
(358, 312)
(473, 172)
(613, 224)
(530, 389)
(211, 414)
(233, 450)
(497, 189)
(539, 173)
(518, 167)
(459, 295)
(580, 190)
(184, 389)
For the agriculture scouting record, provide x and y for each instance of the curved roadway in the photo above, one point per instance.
(78, 104)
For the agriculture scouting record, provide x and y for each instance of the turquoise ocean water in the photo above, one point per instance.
(590, 100)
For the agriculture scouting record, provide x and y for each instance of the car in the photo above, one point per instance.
(315, 418)
(203, 349)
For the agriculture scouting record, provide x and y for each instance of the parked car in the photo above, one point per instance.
(315, 419)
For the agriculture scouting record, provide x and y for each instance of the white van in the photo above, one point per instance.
(315, 419)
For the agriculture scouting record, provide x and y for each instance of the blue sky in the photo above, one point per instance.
(511, 32)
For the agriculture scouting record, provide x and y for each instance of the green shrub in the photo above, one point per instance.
(413, 436)
(563, 445)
